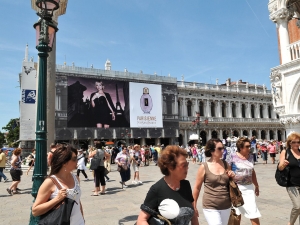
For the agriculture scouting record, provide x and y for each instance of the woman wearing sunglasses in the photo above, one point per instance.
(216, 200)
(242, 164)
(64, 161)
(293, 161)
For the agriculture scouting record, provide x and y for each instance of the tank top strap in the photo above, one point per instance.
(53, 176)
(206, 167)
(75, 180)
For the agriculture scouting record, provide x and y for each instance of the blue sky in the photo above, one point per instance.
(204, 40)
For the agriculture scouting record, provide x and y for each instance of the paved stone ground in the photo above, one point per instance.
(121, 206)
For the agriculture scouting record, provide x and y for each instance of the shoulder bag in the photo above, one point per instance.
(282, 176)
(95, 161)
(155, 218)
(234, 191)
(61, 213)
(233, 218)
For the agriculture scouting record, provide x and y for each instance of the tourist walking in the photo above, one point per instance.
(136, 160)
(172, 189)
(64, 161)
(242, 164)
(15, 171)
(32, 160)
(123, 161)
(272, 150)
(215, 176)
(81, 164)
(99, 173)
(264, 151)
(2, 165)
(293, 189)
(50, 154)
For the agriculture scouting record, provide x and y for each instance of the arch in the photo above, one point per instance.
(180, 140)
(271, 134)
(233, 108)
(269, 111)
(261, 111)
(189, 108)
(235, 133)
(201, 108)
(203, 136)
(223, 109)
(279, 135)
(213, 109)
(225, 134)
(243, 111)
(254, 133)
(263, 134)
(295, 98)
(245, 133)
(214, 134)
(252, 111)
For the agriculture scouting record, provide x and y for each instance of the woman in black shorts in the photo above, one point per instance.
(15, 172)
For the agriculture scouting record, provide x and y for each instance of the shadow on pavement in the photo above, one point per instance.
(128, 219)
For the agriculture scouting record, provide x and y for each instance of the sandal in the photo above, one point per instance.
(9, 191)
(94, 195)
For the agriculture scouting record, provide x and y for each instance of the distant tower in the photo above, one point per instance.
(107, 65)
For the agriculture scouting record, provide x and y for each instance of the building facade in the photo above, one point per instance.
(285, 78)
(226, 110)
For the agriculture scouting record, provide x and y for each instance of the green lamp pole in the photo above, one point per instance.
(45, 29)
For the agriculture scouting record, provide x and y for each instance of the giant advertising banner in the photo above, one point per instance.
(97, 102)
(145, 105)
(28, 102)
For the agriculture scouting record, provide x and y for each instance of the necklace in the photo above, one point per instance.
(171, 186)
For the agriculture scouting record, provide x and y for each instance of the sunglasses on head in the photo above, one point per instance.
(220, 148)
(247, 146)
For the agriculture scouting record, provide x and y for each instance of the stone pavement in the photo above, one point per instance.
(121, 206)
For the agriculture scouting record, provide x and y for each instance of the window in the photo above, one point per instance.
(223, 109)
(189, 108)
(201, 108)
(169, 104)
(213, 111)
(243, 111)
(261, 111)
(269, 111)
(233, 110)
(252, 111)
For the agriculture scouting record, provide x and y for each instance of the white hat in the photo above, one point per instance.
(169, 209)
(80, 150)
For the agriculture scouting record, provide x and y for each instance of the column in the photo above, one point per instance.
(273, 113)
(197, 105)
(229, 109)
(157, 141)
(249, 133)
(267, 134)
(184, 107)
(207, 106)
(248, 110)
(176, 105)
(185, 138)
(219, 110)
(258, 133)
(283, 138)
(257, 110)
(209, 134)
(142, 141)
(275, 134)
(194, 108)
(241, 133)
(265, 111)
(238, 110)
(281, 18)
(221, 134)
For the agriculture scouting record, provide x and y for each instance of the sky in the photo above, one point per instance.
(202, 40)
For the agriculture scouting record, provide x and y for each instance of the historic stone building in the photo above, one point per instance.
(285, 78)
(225, 110)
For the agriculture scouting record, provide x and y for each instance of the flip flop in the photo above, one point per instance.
(94, 195)
(102, 193)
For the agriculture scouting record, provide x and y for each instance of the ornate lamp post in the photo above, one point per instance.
(197, 125)
(45, 34)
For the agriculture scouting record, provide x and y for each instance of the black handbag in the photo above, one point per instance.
(95, 161)
(155, 218)
(61, 213)
(282, 176)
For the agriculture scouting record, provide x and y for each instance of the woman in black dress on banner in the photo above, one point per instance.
(104, 109)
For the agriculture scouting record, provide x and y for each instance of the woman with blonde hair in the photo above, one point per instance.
(242, 164)
(293, 158)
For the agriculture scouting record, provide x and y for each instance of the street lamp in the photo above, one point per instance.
(45, 30)
(197, 125)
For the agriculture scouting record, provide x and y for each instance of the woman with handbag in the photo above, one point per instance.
(215, 176)
(242, 164)
(123, 161)
(15, 172)
(292, 161)
(64, 161)
(170, 199)
(99, 170)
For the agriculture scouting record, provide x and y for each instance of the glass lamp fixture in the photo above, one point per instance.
(45, 32)
(47, 7)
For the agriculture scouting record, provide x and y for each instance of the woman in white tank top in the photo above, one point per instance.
(63, 162)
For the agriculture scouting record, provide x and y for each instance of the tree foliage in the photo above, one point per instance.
(12, 135)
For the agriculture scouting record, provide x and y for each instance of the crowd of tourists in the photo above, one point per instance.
(171, 198)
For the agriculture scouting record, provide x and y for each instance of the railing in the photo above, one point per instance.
(233, 88)
(294, 50)
(112, 73)
(228, 120)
